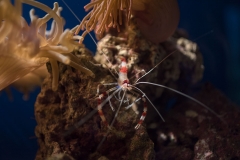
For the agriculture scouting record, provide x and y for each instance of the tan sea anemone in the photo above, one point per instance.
(24, 48)
(157, 19)
(104, 14)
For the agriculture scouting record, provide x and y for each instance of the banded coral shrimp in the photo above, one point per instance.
(185, 46)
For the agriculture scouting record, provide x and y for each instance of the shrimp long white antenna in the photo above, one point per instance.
(78, 20)
(148, 101)
(88, 116)
(209, 32)
(109, 97)
(185, 95)
(115, 116)
(89, 35)
(154, 67)
(81, 122)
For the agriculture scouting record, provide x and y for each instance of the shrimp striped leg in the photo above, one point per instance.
(143, 114)
(100, 102)
(100, 112)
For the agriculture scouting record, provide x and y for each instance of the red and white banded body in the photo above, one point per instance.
(122, 76)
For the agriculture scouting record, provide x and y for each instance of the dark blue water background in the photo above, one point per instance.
(216, 22)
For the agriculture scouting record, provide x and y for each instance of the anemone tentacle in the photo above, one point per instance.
(24, 48)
